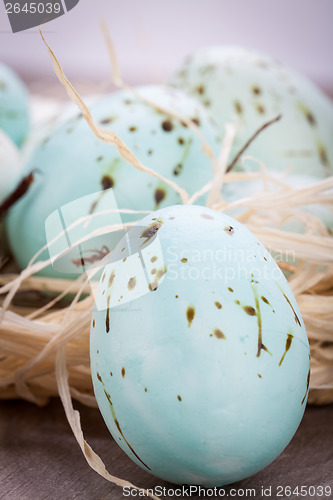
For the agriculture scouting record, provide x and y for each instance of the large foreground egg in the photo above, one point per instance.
(73, 163)
(199, 355)
(235, 82)
(14, 106)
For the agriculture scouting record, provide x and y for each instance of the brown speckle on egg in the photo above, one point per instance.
(218, 304)
(287, 347)
(161, 272)
(178, 168)
(106, 121)
(167, 125)
(323, 154)
(184, 259)
(297, 321)
(260, 108)
(123, 372)
(159, 195)
(307, 386)
(111, 279)
(256, 90)
(150, 231)
(229, 230)
(219, 334)
(249, 310)
(132, 283)
(107, 182)
(311, 119)
(107, 319)
(190, 313)
(238, 107)
(308, 114)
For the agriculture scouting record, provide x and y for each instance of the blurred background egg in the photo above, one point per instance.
(72, 162)
(243, 86)
(14, 105)
(199, 357)
(238, 83)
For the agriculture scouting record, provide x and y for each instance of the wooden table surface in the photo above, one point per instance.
(40, 459)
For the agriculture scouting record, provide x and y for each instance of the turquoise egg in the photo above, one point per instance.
(199, 355)
(235, 83)
(14, 105)
(73, 163)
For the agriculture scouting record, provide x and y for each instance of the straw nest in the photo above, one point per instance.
(45, 349)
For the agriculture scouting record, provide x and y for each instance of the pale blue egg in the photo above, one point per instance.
(250, 88)
(72, 162)
(199, 355)
(14, 105)
(237, 83)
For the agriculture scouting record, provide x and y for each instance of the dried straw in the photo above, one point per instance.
(45, 350)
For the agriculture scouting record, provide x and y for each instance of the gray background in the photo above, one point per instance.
(153, 36)
(40, 459)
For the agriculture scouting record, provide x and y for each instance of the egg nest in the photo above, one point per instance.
(45, 348)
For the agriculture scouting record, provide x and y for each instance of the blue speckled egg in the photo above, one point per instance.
(234, 82)
(14, 106)
(199, 355)
(73, 163)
